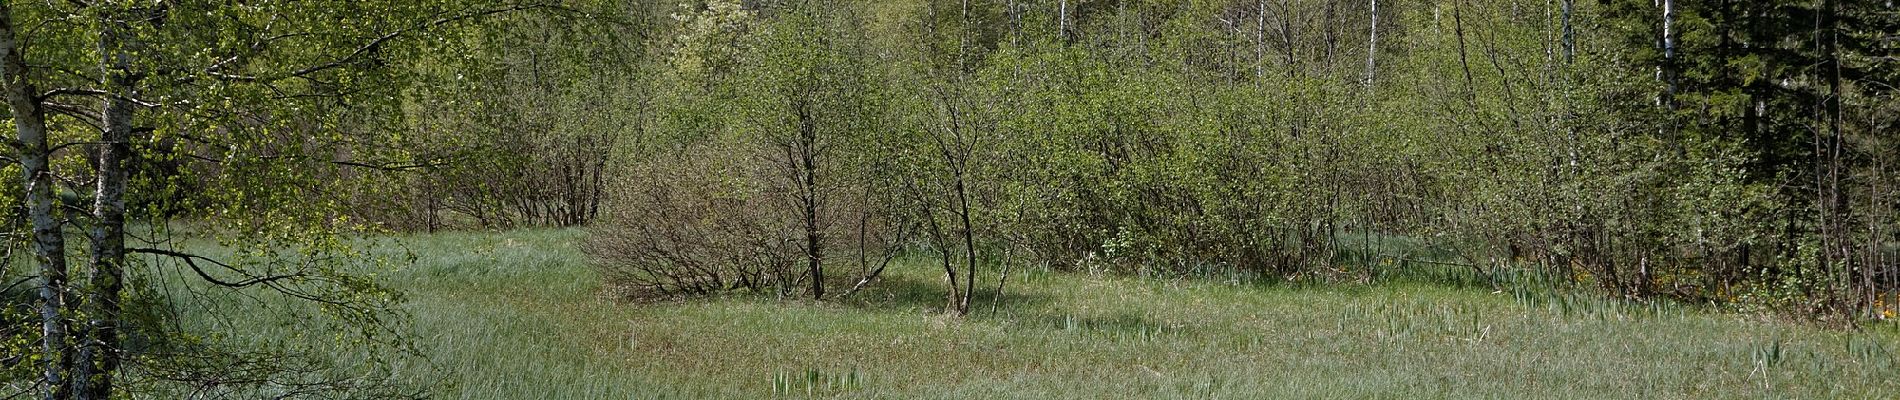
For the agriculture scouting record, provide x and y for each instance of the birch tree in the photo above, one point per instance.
(32, 151)
(157, 71)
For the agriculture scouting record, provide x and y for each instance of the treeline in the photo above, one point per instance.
(1699, 150)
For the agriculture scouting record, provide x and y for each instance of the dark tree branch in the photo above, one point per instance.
(56, 149)
(70, 91)
(16, 284)
(82, 113)
(191, 260)
(22, 392)
(390, 166)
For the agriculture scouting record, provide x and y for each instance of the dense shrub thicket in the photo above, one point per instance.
(1716, 152)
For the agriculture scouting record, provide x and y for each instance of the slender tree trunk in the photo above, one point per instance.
(1286, 35)
(1569, 34)
(867, 274)
(959, 162)
(1668, 72)
(1259, 42)
(1331, 31)
(1002, 278)
(49, 247)
(963, 39)
(1842, 249)
(1668, 29)
(969, 244)
(1062, 19)
(1372, 45)
(946, 253)
(1464, 61)
(99, 347)
(805, 148)
(1015, 23)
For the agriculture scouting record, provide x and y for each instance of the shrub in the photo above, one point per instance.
(692, 224)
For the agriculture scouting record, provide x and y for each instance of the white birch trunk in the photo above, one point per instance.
(99, 347)
(49, 247)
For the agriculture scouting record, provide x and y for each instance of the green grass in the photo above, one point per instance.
(518, 316)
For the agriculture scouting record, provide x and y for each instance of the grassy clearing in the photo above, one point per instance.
(516, 315)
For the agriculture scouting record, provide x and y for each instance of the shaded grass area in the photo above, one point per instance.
(517, 315)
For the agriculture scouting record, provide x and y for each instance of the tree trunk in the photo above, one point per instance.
(1286, 35)
(1015, 22)
(1840, 210)
(945, 252)
(1002, 278)
(1464, 61)
(969, 245)
(807, 144)
(99, 347)
(1372, 44)
(1260, 42)
(1668, 72)
(49, 247)
(1570, 34)
(1062, 19)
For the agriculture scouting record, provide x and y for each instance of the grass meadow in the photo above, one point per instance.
(519, 315)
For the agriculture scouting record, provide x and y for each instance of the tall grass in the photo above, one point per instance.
(517, 315)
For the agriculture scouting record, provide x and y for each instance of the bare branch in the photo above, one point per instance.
(191, 260)
(390, 166)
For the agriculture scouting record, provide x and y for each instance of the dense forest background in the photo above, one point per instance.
(1709, 151)
(1739, 153)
